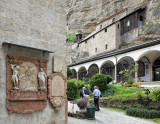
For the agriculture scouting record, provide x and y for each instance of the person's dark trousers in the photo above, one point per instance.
(96, 102)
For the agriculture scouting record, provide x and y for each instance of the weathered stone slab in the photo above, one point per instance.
(57, 64)
(58, 83)
(57, 88)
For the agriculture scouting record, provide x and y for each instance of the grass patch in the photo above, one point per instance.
(125, 94)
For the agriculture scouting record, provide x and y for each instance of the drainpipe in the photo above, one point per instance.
(115, 69)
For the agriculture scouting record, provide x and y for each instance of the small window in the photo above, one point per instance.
(106, 30)
(113, 20)
(100, 26)
(95, 49)
(128, 23)
(85, 41)
(141, 18)
(106, 47)
(118, 26)
(80, 37)
(93, 36)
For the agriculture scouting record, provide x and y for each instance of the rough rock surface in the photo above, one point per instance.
(83, 15)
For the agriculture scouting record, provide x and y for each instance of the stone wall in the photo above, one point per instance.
(39, 24)
(84, 15)
(139, 103)
(109, 37)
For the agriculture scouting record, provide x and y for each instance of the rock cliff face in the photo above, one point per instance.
(83, 15)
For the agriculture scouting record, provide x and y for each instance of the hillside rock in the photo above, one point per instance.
(83, 15)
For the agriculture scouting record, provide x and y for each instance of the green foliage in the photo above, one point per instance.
(136, 85)
(139, 112)
(124, 94)
(128, 73)
(99, 80)
(74, 87)
(155, 94)
(80, 84)
(129, 85)
(130, 81)
(109, 78)
(69, 72)
(86, 80)
(71, 38)
(109, 91)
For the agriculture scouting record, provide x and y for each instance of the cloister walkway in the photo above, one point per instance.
(107, 116)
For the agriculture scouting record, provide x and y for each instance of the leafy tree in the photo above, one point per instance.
(128, 73)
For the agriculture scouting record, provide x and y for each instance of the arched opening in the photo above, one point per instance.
(152, 69)
(108, 69)
(74, 74)
(82, 73)
(144, 69)
(156, 69)
(124, 63)
(93, 69)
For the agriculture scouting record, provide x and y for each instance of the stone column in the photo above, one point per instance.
(99, 70)
(136, 73)
(115, 76)
(151, 72)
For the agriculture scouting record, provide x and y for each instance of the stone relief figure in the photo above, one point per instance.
(15, 69)
(41, 78)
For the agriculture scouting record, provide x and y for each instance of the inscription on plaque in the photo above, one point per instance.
(58, 86)
(57, 64)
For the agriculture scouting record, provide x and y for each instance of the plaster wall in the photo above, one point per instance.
(151, 52)
(34, 23)
(111, 38)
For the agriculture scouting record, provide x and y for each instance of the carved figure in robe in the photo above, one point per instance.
(41, 78)
(15, 69)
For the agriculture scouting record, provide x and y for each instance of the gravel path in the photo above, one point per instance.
(107, 116)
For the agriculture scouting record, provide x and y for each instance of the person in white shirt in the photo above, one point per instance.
(96, 94)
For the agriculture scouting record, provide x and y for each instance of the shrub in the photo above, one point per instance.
(130, 81)
(99, 80)
(129, 85)
(139, 112)
(72, 89)
(155, 94)
(136, 85)
(80, 84)
(109, 91)
(69, 72)
(71, 38)
(109, 78)
(86, 80)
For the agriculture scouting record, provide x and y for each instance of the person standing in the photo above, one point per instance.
(86, 95)
(82, 92)
(96, 94)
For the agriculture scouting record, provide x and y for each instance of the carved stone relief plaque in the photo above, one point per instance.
(25, 78)
(57, 88)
